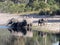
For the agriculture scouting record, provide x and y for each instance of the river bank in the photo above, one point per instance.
(5, 17)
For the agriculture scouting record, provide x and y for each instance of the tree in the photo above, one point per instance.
(51, 2)
(35, 5)
(19, 1)
(43, 5)
(53, 9)
(46, 1)
(57, 1)
(2, 0)
(27, 9)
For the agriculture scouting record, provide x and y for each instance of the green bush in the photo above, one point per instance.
(28, 9)
(43, 5)
(42, 13)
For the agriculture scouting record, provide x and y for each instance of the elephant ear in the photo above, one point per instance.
(10, 21)
(24, 23)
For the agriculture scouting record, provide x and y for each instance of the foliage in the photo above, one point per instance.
(51, 2)
(42, 5)
(35, 5)
(28, 9)
(18, 6)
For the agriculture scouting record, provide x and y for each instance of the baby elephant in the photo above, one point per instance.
(41, 22)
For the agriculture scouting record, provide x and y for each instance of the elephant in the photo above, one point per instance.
(17, 26)
(40, 22)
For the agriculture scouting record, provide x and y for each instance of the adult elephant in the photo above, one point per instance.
(17, 26)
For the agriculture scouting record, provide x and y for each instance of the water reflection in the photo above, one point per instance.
(55, 40)
(56, 43)
(51, 39)
(4, 27)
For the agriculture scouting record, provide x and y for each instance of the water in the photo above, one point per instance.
(4, 27)
(55, 40)
(56, 43)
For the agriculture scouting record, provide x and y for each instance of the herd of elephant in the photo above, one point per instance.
(21, 26)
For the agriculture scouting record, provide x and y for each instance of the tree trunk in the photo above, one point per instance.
(46, 1)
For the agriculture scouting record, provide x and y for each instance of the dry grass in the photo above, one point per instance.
(24, 13)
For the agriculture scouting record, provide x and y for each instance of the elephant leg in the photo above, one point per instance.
(43, 23)
(10, 30)
(38, 24)
(24, 31)
(30, 28)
